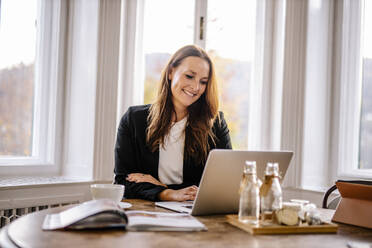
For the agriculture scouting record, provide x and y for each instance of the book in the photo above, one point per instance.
(97, 214)
(355, 204)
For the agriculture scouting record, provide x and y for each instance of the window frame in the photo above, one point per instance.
(201, 13)
(49, 76)
(131, 76)
(130, 85)
(280, 123)
(348, 103)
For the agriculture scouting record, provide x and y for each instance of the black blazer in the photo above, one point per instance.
(132, 155)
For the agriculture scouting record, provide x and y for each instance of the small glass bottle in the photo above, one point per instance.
(249, 205)
(271, 191)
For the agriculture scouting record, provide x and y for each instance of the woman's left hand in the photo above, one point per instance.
(143, 178)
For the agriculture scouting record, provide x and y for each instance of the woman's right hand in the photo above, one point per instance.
(184, 194)
(143, 178)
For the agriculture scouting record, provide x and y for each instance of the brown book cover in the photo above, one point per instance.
(355, 207)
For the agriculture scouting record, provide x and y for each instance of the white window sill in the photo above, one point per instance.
(312, 189)
(312, 194)
(30, 191)
(13, 182)
(356, 174)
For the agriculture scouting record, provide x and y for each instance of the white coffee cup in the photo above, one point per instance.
(113, 192)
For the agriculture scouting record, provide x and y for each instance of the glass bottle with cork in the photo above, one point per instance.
(249, 204)
(271, 191)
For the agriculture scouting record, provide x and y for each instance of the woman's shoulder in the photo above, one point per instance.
(220, 114)
(220, 117)
(139, 109)
(220, 121)
(136, 113)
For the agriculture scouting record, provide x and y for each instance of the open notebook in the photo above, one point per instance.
(99, 214)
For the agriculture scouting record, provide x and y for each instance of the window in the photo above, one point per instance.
(338, 130)
(300, 71)
(29, 88)
(75, 73)
(233, 57)
(230, 41)
(164, 32)
(355, 108)
(365, 140)
(325, 91)
(17, 77)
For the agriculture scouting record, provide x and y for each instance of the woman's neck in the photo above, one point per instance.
(179, 114)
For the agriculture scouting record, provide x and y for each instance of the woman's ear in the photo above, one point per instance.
(170, 74)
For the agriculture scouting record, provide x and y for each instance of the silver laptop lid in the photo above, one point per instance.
(218, 189)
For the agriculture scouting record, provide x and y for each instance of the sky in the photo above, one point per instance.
(164, 30)
(17, 32)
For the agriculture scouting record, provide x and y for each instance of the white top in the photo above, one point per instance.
(171, 155)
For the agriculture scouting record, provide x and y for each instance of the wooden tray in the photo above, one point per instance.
(280, 229)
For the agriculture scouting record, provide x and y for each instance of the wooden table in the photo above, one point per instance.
(26, 232)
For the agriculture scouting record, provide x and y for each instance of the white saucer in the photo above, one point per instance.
(125, 204)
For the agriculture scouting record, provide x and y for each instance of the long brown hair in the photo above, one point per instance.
(201, 114)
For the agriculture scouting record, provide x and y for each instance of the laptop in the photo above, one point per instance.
(220, 182)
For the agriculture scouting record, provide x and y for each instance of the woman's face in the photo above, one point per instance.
(188, 81)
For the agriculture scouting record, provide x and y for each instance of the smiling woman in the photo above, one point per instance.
(161, 148)
(188, 83)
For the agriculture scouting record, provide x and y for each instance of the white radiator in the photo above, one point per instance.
(26, 194)
(9, 215)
